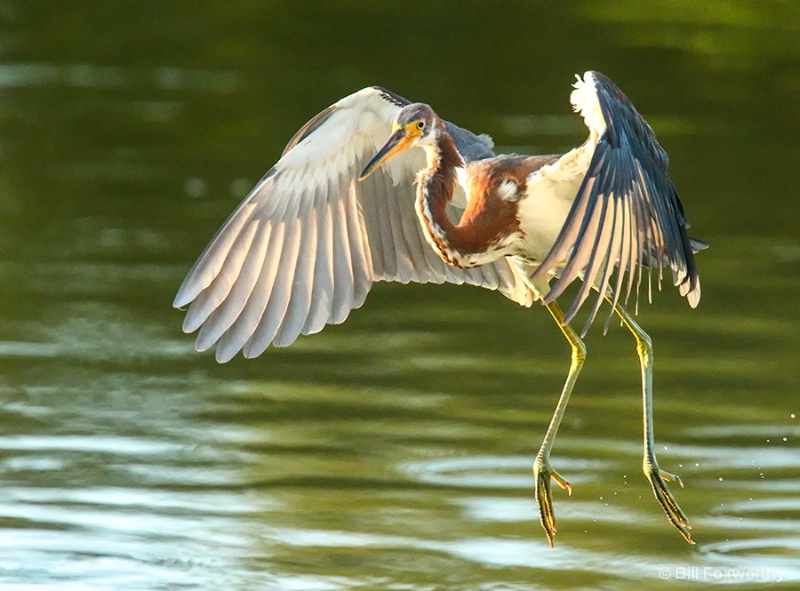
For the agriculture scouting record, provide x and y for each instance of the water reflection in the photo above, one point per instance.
(392, 452)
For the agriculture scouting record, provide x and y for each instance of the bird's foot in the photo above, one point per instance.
(543, 472)
(658, 479)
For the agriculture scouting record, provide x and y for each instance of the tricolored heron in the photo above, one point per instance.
(345, 207)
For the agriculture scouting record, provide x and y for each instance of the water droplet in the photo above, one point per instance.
(239, 187)
(195, 187)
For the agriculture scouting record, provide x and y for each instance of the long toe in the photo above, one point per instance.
(658, 482)
(543, 472)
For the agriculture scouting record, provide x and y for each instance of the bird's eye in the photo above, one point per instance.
(420, 125)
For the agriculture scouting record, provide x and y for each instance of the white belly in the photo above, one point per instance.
(542, 215)
(551, 191)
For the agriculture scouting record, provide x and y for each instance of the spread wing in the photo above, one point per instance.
(626, 214)
(305, 246)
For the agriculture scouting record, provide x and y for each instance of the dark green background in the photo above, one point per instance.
(392, 452)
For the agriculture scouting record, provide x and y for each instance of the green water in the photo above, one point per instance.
(392, 452)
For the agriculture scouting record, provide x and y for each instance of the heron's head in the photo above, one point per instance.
(415, 125)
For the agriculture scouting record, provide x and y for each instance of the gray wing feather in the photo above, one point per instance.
(322, 287)
(279, 293)
(359, 247)
(393, 217)
(342, 268)
(626, 214)
(300, 302)
(249, 265)
(211, 260)
(470, 146)
(230, 263)
(381, 227)
(245, 325)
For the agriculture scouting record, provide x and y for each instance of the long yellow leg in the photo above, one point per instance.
(654, 474)
(542, 470)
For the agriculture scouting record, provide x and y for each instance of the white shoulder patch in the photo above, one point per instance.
(508, 190)
(584, 101)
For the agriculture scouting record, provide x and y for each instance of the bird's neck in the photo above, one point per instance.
(487, 225)
(435, 187)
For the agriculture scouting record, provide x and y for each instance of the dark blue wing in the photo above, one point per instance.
(626, 214)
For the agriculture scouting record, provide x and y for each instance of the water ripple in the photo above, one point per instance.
(487, 471)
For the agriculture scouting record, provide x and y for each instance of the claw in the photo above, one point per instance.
(543, 472)
(671, 477)
(658, 482)
(561, 482)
